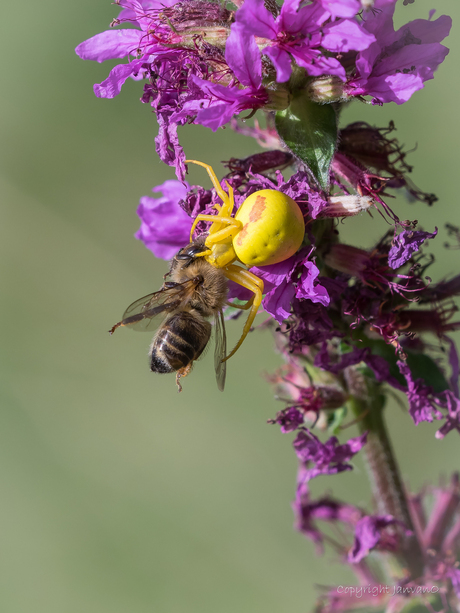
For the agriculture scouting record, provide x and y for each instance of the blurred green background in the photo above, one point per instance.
(119, 494)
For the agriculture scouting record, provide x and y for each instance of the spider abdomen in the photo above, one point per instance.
(273, 228)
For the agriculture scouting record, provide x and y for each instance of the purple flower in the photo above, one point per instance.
(406, 244)
(448, 400)
(369, 534)
(420, 396)
(294, 278)
(362, 147)
(190, 80)
(299, 188)
(307, 511)
(117, 44)
(329, 458)
(323, 359)
(165, 226)
(299, 33)
(341, 8)
(376, 363)
(289, 419)
(399, 62)
(455, 367)
(218, 103)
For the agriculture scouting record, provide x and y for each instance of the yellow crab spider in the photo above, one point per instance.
(267, 228)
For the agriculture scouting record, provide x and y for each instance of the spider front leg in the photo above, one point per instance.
(244, 307)
(254, 284)
(227, 199)
(233, 226)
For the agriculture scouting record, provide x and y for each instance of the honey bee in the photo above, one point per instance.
(267, 228)
(197, 291)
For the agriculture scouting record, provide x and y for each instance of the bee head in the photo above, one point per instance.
(188, 253)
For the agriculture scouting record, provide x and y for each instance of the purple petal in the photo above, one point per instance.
(216, 115)
(406, 244)
(256, 19)
(317, 64)
(243, 56)
(368, 534)
(448, 400)
(454, 575)
(274, 275)
(328, 458)
(341, 8)
(289, 419)
(222, 93)
(306, 20)
(281, 61)
(421, 56)
(420, 397)
(277, 302)
(167, 145)
(346, 35)
(428, 31)
(165, 226)
(307, 288)
(398, 88)
(111, 87)
(139, 11)
(455, 367)
(109, 45)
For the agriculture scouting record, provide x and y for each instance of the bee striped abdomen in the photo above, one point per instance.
(178, 342)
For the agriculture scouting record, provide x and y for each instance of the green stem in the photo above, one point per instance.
(367, 404)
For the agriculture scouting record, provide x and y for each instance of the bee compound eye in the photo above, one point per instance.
(182, 255)
(195, 249)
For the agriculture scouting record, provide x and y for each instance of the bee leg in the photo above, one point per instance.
(183, 372)
(256, 285)
(113, 328)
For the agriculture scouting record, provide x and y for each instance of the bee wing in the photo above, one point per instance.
(220, 351)
(140, 314)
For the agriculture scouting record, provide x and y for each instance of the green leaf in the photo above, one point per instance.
(424, 367)
(310, 131)
(335, 419)
(421, 365)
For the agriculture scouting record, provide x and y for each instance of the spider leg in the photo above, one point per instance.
(254, 284)
(217, 236)
(231, 201)
(215, 181)
(203, 254)
(201, 217)
(221, 234)
(243, 307)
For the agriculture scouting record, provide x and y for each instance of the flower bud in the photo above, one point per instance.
(278, 99)
(438, 321)
(212, 35)
(324, 90)
(346, 206)
(345, 258)
(196, 14)
(324, 397)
